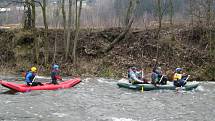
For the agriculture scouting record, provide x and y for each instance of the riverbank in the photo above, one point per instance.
(182, 47)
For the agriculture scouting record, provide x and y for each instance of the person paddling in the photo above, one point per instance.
(55, 74)
(179, 79)
(157, 77)
(30, 77)
(136, 76)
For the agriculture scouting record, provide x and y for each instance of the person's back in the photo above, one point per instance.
(55, 74)
(30, 77)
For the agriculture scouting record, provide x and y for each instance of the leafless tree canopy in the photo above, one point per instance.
(108, 13)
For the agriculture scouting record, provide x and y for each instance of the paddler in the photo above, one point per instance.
(179, 78)
(30, 77)
(158, 77)
(136, 76)
(55, 74)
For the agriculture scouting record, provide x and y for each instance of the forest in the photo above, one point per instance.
(105, 37)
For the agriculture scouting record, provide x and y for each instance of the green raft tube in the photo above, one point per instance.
(147, 87)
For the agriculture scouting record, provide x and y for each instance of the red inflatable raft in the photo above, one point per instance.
(47, 86)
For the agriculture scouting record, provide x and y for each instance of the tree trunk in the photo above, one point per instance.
(33, 13)
(191, 12)
(44, 14)
(46, 43)
(27, 14)
(208, 24)
(68, 30)
(77, 28)
(64, 21)
(57, 13)
(171, 12)
(132, 7)
(37, 46)
(159, 14)
(128, 14)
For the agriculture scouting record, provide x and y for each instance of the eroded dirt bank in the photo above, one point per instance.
(181, 47)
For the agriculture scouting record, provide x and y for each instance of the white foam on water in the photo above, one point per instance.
(122, 119)
(60, 114)
(42, 77)
(86, 80)
(123, 80)
(8, 101)
(211, 82)
(102, 80)
(200, 88)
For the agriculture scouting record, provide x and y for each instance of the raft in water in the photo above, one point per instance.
(46, 86)
(148, 87)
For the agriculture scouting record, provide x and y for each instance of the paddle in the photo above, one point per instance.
(184, 82)
(187, 78)
(142, 89)
(161, 79)
(34, 79)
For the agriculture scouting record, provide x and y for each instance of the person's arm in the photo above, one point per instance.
(133, 76)
(58, 77)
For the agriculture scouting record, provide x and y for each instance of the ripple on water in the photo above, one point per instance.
(60, 115)
(101, 100)
(123, 119)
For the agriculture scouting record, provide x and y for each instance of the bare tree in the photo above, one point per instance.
(68, 30)
(44, 14)
(128, 14)
(77, 28)
(64, 20)
(171, 12)
(132, 8)
(33, 13)
(160, 16)
(27, 15)
(191, 11)
(208, 23)
(56, 14)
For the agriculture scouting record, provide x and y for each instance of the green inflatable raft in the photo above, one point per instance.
(148, 87)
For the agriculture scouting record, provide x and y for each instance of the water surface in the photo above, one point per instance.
(101, 100)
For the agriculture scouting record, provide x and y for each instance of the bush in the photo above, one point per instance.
(210, 73)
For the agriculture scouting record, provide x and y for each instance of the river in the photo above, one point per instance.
(100, 99)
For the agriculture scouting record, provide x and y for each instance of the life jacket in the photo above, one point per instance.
(177, 77)
(55, 75)
(31, 78)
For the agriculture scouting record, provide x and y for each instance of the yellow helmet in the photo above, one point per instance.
(33, 69)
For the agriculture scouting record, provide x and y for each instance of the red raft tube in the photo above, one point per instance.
(46, 86)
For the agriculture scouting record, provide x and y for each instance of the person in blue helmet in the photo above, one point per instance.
(55, 74)
(179, 79)
(30, 77)
(136, 76)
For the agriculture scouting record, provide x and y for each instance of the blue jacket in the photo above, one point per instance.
(29, 77)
